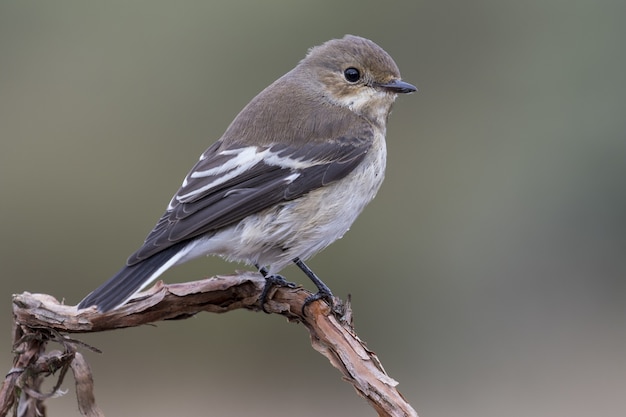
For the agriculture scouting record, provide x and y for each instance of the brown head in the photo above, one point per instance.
(355, 72)
(332, 90)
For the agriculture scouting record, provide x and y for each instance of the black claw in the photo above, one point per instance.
(320, 295)
(270, 282)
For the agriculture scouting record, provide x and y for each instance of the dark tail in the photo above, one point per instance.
(130, 279)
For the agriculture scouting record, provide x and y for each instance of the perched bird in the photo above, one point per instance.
(288, 177)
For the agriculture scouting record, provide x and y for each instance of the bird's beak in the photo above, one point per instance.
(398, 87)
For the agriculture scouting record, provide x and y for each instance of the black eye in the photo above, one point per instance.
(352, 74)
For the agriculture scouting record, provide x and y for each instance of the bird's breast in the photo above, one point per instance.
(310, 223)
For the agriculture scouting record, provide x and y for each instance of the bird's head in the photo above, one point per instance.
(356, 73)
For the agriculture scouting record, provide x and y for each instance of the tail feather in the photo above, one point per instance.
(131, 279)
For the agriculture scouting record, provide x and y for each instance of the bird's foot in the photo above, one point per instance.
(272, 281)
(322, 294)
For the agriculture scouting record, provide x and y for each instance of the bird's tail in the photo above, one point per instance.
(131, 279)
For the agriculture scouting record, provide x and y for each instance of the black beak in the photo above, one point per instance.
(398, 87)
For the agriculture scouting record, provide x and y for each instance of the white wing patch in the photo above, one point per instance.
(271, 158)
(242, 160)
(291, 178)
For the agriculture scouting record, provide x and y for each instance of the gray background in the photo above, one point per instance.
(488, 274)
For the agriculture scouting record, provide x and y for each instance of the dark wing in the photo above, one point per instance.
(229, 184)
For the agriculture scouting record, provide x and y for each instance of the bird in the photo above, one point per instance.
(287, 178)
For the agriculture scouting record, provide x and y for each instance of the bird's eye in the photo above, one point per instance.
(352, 74)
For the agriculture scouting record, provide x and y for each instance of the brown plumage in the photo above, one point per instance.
(288, 177)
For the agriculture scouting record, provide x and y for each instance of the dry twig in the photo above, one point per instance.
(40, 318)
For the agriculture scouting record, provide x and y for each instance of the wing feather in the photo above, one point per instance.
(229, 184)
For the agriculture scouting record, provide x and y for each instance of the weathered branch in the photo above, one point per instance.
(40, 318)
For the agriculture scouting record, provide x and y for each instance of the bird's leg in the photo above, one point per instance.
(271, 281)
(323, 292)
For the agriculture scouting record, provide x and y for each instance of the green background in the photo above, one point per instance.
(488, 275)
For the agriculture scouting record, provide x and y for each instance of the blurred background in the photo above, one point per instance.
(488, 275)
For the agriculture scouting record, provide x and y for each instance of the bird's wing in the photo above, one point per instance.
(230, 183)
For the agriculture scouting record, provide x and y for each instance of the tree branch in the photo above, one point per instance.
(40, 318)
